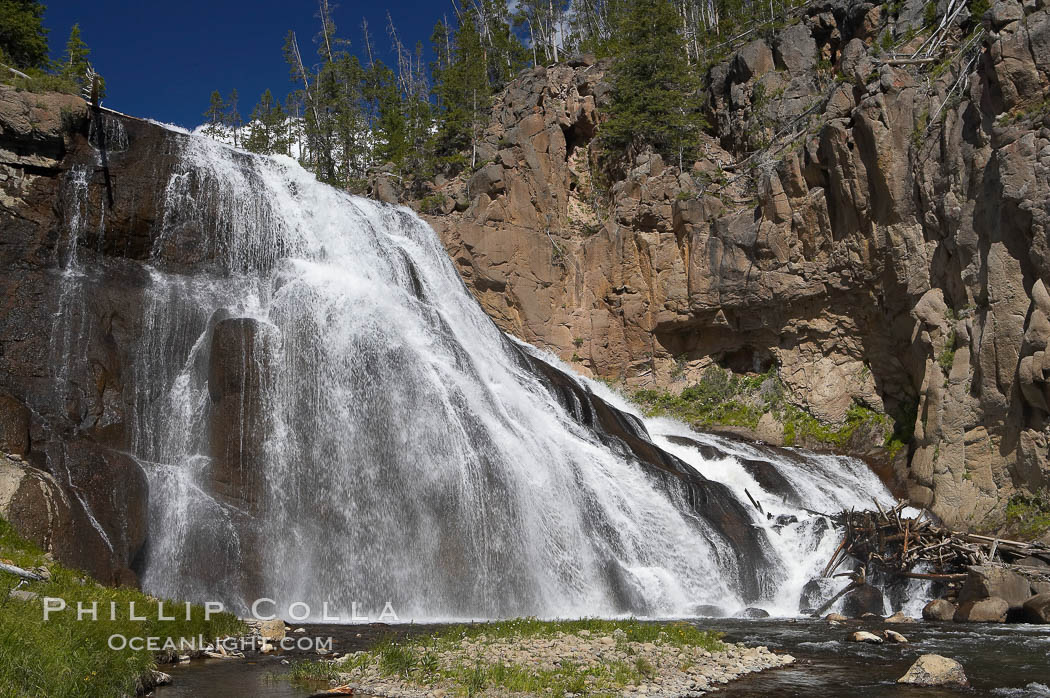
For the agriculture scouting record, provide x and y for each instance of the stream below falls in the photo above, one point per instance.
(1000, 660)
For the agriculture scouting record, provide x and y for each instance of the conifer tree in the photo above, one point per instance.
(267, 134)
(75, 63)
(654, 87)
(390, 127)
(462, 90)
(23, 38)
(232, 117)
(215, 115)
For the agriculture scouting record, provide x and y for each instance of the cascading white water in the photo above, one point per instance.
(389, 443)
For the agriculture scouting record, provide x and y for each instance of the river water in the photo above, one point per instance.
(1000, 660)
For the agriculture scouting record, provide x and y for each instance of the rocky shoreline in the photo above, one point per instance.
(673, 672)
(572, 658)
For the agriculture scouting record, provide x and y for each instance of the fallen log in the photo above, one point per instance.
(18, 571)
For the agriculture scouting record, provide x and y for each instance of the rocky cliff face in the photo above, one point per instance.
(878, 232)
(76, 210)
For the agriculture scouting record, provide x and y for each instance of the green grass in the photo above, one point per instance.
(722, 398)
(415, 659)
(719, 398)
(39, 81)
(63, 657)
(1029, 516)
(801, 426)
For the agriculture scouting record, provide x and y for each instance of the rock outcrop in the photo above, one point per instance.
(67, 338)
(890, 251)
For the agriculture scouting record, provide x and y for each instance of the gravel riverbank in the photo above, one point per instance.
(559, 663)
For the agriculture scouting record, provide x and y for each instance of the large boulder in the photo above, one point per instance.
(1037, 609)
(991, 610)
(112, 497)
(985, 581)
(863, 599)
(939, 610)
(935, 670)
(752, 61)
(817, 592)
(34, 504)
(795, 50)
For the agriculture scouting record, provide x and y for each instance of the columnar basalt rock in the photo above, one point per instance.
(892, 255)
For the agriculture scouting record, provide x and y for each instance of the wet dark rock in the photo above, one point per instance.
(627, 596)
(753, 613)
(1037, 609)
(861, 601)
(14, 426)
(709, 611)
(237, 376)
(819, 591)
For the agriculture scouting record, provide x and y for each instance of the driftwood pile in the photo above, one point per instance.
(895, 544)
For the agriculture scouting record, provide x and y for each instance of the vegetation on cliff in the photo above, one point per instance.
(350, 114)
(63, 656)
(24, 52)
(724, 398)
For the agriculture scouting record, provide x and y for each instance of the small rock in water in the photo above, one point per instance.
(894, 636)
(300, 630)
(835, 618)
(935, 670)
(865, 636)
(753, 612)
(160, 678)
(900, 617)
(709, 611)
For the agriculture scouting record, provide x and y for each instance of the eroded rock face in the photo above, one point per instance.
(67, 341)
(885, 259)
(237, 378)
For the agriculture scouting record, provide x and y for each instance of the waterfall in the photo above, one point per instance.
(326, 415)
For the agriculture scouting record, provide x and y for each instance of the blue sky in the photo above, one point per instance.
(162, 60)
